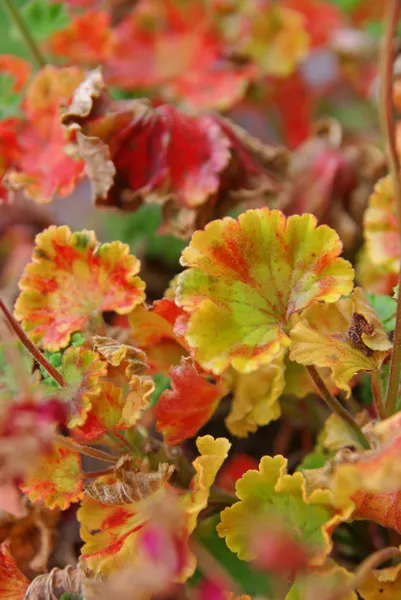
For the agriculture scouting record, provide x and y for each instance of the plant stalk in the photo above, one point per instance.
(337, 407)
(87, 450)
(378, 395)
(388, 127)
(26, 35)
(30, 346)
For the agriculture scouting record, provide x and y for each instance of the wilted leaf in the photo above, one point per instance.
(71, 281)
(248, 277)
(346, 337)
(56, 585)
(183, 410)
(13, 584)
(57, 479)
(271, 492)
(132, 361)
(132, 485)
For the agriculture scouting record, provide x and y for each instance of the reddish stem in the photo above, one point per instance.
(30, 346)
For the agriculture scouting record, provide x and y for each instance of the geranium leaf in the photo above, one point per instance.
(381, 584)
(322, 582)
(57, 479)
(255, 397)
(81, 370)
(44, 17)
(248, 277)
(271, 493)
(183, 410)
(13, 583)
(380, 227)
(346, 337)
(385, 307)
(72, 280)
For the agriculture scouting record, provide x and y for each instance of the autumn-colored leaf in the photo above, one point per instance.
(345, 337)
(57, 479)
(234, 469)
(380, 227)
(323, 582)
(181, 55)
(271, 493)
(255, 397)
(81, 370)
(321, 19)
(183, 410)
(71, 281)
(132, 361)
(153, 330)
(18, 68)
(44, 169)
(381, 584)
(247, 277)
(86, 40)
(221, 165)
(212, 454)
(13, 584)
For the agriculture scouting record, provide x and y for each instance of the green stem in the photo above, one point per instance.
(20, 24)
(388, 127)
(337, 407)
(30, 346)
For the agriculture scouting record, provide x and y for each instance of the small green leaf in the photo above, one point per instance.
(9, 100)
(252, 582)
(43, 18)
(385, 307)
(162, 383)
(314, 460)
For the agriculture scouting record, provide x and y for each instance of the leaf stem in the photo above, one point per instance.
(388, 127)
(378, 395)
(87, 450)
(94, 474)
(30, 346)
(26, 35)
(337, 407)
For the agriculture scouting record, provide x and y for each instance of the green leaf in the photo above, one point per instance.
(385, 307)
(9, 99)
(252, 582)
(316, 459)
(44, 17)
(162, 383)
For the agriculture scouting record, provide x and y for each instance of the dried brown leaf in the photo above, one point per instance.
(53, 585)
(132, 485)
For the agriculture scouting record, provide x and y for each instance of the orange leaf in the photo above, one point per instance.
(86, 40)
(57, 478)
(13, 584)
(72, 280)
(18, 68)
(182, 411)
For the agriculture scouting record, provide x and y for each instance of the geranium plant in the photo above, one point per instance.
(229, 426)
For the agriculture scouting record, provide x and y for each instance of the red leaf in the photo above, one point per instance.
(13, 584)
(182, 411)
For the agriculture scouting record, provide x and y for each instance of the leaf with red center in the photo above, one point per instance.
(13, 583)
(57, 479)
(247, 277)
(381, 228)
(180, 51)
(81, 370)
(44, 168)
(18, 68)
(183, 410)
(72, 280)
(86, 40)
(153, 330)
(346, 337)
(110, 533)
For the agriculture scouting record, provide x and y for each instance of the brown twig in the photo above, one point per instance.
(337, 407)
(30, 346)
(100, 473)
(86, 450)
(388, 127)
(378, 395)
